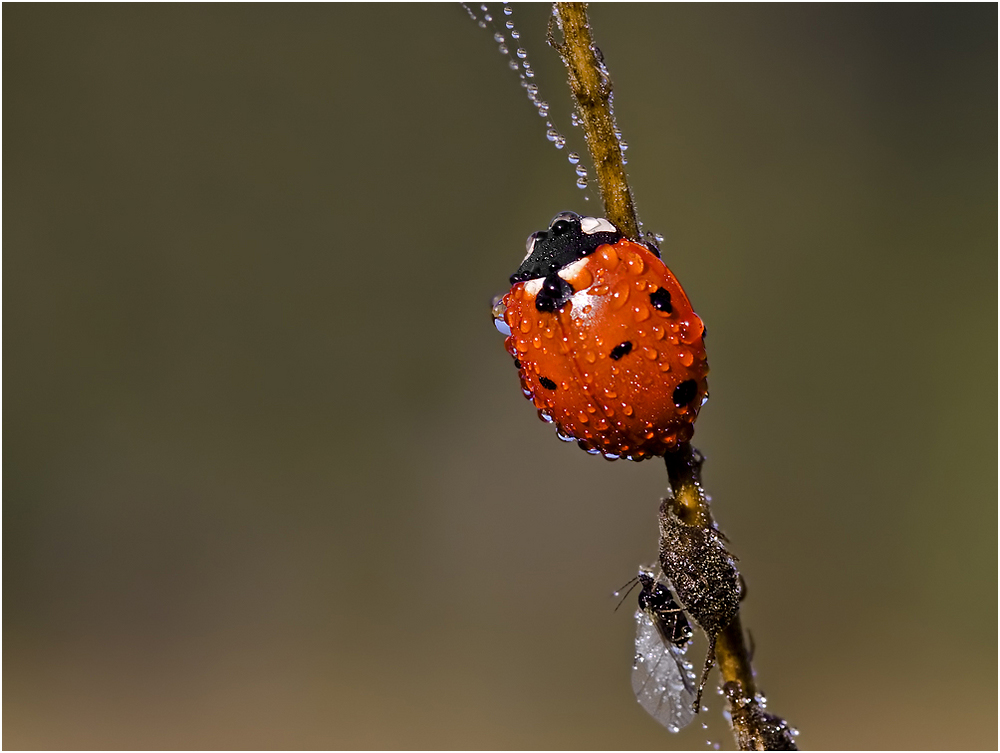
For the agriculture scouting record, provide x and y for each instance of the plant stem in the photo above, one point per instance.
(592, 90)
(591, 87)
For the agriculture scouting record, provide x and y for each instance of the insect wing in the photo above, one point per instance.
(661, 678)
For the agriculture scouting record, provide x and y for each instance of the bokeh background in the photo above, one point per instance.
(269, 479)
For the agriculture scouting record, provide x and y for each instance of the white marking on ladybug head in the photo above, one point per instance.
(531, 287)
(591, 225)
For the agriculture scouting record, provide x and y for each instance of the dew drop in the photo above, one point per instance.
(522, 53)
(635, 264)
(581, 182)
(620, 296)
(573, 157)
(583, 417)
(685, 357)
(627, 410)
(641, 313)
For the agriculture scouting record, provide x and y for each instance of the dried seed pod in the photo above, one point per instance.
(701, 570)
(703, 574)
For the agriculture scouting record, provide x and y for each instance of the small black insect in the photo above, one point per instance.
(661, 678)
(656, 600)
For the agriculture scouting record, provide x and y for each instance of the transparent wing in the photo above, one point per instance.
(661, 678)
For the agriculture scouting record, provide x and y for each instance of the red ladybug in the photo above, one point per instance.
(605, 340)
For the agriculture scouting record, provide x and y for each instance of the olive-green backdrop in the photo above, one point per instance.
(269, 480)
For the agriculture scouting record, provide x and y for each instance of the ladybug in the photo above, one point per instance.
(605, 340)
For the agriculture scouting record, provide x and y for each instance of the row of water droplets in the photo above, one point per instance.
(518, 62)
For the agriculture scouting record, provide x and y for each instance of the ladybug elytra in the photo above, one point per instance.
(605, 340)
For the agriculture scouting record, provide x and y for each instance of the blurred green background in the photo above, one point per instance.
(269, 478)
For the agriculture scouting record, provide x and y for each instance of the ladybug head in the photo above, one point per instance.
(569, 237)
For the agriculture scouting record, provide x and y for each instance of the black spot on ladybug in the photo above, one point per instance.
(704, 332)
(554, 293)
(621, 350)
(684, 392)
(660, 298)
(547, 383)
(517, 364)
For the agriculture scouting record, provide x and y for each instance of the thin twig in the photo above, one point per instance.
(592, 90)
(591, 87)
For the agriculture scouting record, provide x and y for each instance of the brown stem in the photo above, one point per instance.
(591, 87)
(694, 508)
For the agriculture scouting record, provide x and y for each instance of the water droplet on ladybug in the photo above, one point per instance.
(620, 296)
(650, 353)
(641, 313)
(685, 357)
(635, 264)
